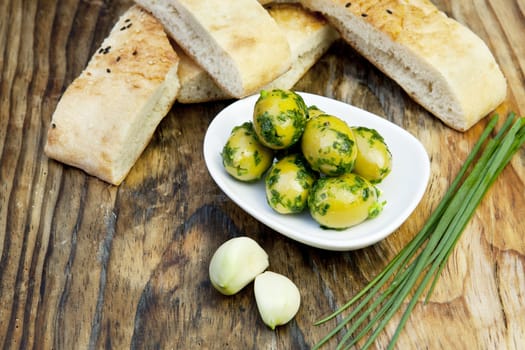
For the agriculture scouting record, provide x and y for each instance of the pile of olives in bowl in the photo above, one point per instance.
(309, 160)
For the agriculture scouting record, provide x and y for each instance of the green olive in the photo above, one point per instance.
(279, 118)
(374, 160)
(288, 184)
(314, 111)
(343, 201)
(244, 157)
(328, 145)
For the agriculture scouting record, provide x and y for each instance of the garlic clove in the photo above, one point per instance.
(278, 298)
(236, 263)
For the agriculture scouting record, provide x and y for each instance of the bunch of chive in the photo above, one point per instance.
(421, 261)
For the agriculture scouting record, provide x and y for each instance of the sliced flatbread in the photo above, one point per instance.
(439, 62)
(309, 36)
(236, 41)
(107, 116)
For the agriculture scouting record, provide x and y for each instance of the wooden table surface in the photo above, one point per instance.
(87, 265)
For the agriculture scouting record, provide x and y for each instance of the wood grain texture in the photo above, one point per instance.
(85, 265)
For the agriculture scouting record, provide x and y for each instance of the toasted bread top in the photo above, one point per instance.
(298, 24)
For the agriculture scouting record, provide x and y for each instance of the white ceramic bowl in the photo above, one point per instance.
(402, 189)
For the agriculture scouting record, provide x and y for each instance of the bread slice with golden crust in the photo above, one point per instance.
(309, 36)
(439, 62)
(107, 116)
(236, 41)
(196, 85)
(268, 2)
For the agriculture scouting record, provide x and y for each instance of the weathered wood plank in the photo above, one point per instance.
(88, 265)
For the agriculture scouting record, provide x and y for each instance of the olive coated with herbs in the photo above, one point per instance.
(314, 111)
(374, 160)
(329, 145)
(311, 160)
(279, 118)
(288, 183)
(343, 201)
(243, 156)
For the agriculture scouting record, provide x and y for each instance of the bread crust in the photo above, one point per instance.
(108, 114)
(438, 61)
(309, 36)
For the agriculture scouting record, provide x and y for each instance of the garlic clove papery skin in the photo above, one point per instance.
(236, 263)
(277, 297)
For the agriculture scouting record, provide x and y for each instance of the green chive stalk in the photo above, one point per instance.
(420, 263)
